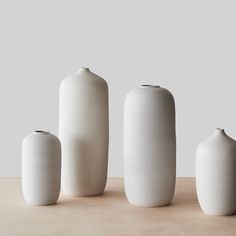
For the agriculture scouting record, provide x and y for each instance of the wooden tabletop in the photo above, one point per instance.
(108, 214)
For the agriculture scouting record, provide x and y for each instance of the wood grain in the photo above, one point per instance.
(108, 214)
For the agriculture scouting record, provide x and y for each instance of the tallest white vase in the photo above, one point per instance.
(84, 133)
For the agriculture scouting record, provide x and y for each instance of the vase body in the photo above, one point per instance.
(41, 168)
(84, 133)
(149, 146)
(216, 174)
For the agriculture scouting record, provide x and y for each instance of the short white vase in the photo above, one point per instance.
(149, 146)
(84, 133)
(216, 174)
(41, 168)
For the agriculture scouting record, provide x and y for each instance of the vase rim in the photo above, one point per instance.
(149, 86)
(83, 69)
(219, 131)
(41, 132)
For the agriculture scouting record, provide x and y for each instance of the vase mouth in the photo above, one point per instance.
(219, 131)
(84, 69)
(149, 86)
(41, 131)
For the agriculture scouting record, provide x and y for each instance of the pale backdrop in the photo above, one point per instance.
(188, 47)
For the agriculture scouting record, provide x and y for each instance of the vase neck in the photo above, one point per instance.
(82, 69)
(219, 131)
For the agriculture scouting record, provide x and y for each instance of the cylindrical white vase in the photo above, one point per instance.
(149, 146)
(216, 174)
(84, 133)
(41, 168)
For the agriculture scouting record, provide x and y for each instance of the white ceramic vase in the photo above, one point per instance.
(149, 146)
(84, 133)
(216, 174)
(41, 168)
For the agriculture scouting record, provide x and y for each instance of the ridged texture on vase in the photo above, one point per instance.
(149, 146)
(41, 168)
(84, 133)
(216, 174)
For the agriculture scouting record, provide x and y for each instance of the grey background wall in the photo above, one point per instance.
(188, 47)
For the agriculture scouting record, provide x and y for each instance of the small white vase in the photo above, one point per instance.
(84, 133)
(149, 146)
(216, 174)
(41, 168)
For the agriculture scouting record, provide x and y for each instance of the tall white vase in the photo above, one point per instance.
(216, 174)
(84, 133)
(41, 168)
(149, 146)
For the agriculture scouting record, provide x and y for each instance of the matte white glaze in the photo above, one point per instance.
(216, 174)
(149, 146)
(84, 133)
(41, 168)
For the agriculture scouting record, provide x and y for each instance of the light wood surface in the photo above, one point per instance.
(108, 214)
